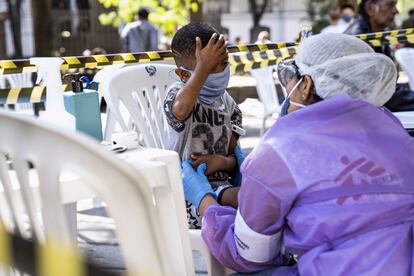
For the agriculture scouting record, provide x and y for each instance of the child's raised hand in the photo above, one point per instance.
(213, 54)
(214, 162)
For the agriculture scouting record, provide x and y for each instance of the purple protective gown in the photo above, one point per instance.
(332, 183)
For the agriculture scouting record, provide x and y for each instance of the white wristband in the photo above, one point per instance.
(252, 246)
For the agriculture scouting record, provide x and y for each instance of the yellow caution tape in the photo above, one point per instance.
(242, 58)
(5, 258)
(57, 260)
(34, 94)
(20, 66)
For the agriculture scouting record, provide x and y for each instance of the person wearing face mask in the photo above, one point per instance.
(340, 19)
(378, 16)
(201, 115)
(331, 181)
(374, 16)
(347, 13)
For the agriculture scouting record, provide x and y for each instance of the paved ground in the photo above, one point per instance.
(96, 234)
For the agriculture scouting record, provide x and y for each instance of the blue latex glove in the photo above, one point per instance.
(236, 179)
(196, 185)
(239, 155)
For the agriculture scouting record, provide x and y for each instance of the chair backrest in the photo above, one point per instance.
(406, 118)
(128, 191)
(105, 73)
(20, 80)
(141, 89)
(2, 82)
(266, 89)
(405, 57)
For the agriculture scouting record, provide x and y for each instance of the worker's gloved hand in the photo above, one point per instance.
(196, 185)
(239, 155)
(236, 178)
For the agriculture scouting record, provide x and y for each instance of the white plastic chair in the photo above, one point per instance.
(141, 89)
(2, 82)
(130, 203)
(147, 204)
(406, 118)
(101, 77)
(266, 90)
(20, 80)
(169, 158)
(405, 57)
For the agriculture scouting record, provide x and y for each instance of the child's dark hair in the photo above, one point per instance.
(183, 44)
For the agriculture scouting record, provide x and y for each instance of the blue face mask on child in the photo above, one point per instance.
(347, 18)
(214, 86)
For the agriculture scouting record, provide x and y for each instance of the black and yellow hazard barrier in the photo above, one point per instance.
(32, 258)
(23, 65)
(240, 68)
(248, 57)
(36, 94)
(305, 31)
(259, 47)
(385, 34)
(240, 62)
(244, 62)
(391, 40)
(242, 58)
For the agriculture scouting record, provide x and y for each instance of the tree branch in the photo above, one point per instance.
(257, 10)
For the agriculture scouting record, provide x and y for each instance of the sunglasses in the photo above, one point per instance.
(287, 70)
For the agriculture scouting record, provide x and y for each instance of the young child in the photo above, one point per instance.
(199, 111)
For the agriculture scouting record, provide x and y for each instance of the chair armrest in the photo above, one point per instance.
(214, 268)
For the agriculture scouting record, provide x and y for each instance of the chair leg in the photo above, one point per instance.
(96, 202)
(110, 125)
(214, 268)
(262, 130)
(71, 216)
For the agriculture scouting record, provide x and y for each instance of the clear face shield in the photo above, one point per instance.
(286, 71)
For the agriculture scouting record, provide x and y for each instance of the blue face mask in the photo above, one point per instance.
(286, 103)
(284, 107)
(347, 18)
(214, 86)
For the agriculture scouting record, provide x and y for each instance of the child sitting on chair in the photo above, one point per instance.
(199, 111)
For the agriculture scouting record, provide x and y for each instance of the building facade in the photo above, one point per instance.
(282, 18)
(75, 28)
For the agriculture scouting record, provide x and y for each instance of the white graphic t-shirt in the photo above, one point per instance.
(207, 130)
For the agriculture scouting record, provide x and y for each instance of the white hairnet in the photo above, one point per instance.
(339, 63)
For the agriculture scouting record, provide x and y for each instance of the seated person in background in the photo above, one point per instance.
(263, 37)
(409, 22)
(199, 111)
(334, 21)
(378, 16)
(340, 19)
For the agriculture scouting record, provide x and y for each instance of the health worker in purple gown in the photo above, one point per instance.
(331, 182)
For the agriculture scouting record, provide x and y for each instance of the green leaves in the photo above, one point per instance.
(167, 15)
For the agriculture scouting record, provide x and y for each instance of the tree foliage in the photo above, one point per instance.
(165, 14)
